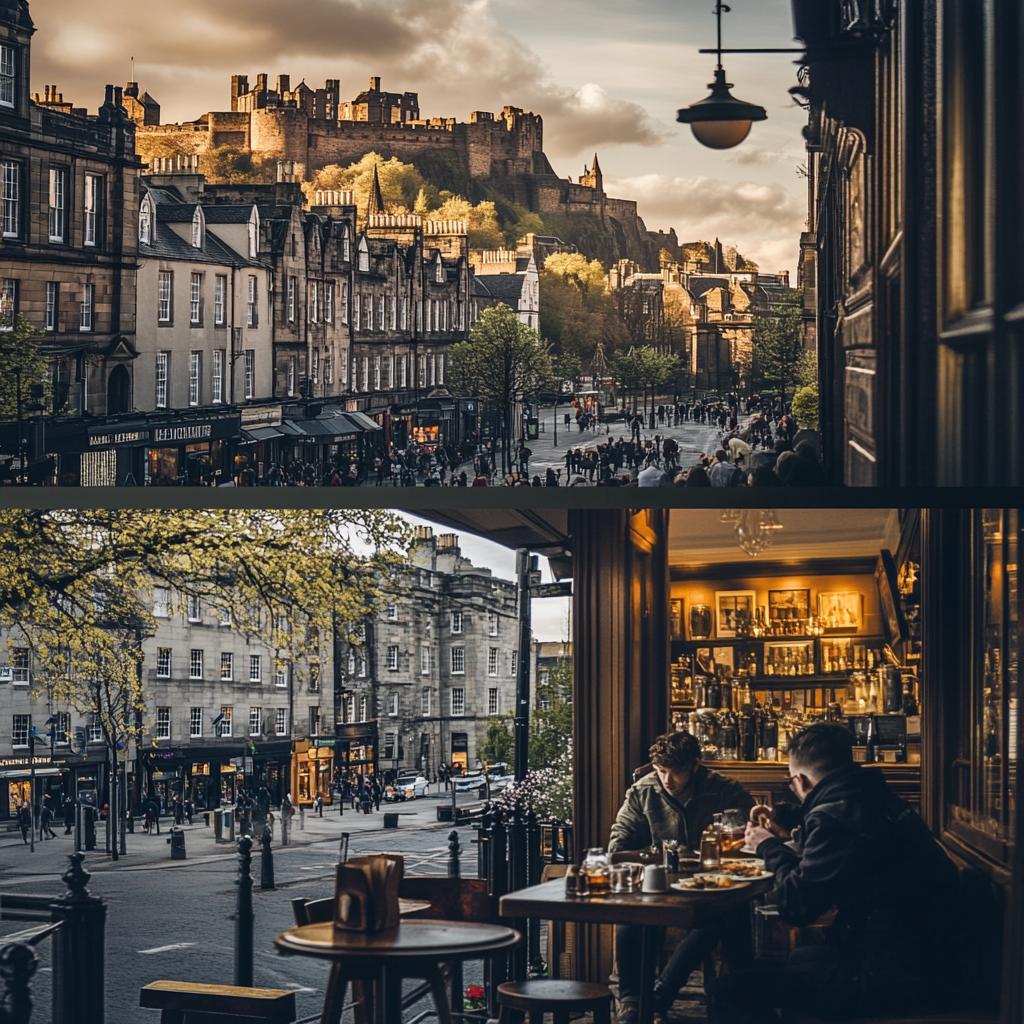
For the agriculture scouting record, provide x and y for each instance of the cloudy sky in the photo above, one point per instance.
(606, 75)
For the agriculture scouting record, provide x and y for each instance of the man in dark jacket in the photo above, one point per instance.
(676, 801)
(863, 851)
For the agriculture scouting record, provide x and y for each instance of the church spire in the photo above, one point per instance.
(592, 177)
(376, 204)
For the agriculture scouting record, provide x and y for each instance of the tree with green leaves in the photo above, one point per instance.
(24, 369)
(503, 362)
(778, 358)
(77, 591)
(400, 183)
(644, 369)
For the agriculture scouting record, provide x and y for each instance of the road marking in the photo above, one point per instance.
(164, 949)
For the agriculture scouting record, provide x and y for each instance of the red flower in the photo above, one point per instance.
(475, 992)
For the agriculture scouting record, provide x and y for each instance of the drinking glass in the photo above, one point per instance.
(595, 867)
(621, 878)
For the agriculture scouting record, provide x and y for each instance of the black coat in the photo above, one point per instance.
(865, 852)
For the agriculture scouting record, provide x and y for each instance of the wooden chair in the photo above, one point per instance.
(557, 997)
(184, 1002)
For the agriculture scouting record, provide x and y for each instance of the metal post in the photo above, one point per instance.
(244, 916)
(524, 563)
(454, 868)
(517, 879)
(266, 861)
(533, 873)
(18, 962)
(31, 738)
(78, 947)
(122, 782)
(112, 803)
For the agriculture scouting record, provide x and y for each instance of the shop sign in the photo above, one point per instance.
(266, 416)
(125, 437)
(193, 432)
(28, 762)
(164, 755)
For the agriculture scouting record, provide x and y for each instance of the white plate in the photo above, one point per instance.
(749, 878)
(686, 885)
(753, 860)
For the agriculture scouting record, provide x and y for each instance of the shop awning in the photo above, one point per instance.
(362, 421)
(9, 773)
(327, 429)
(261, 433)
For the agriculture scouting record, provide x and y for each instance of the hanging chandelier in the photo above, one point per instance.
(754, 528)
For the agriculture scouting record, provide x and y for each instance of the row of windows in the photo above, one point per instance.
(18, 667)
(21, 729)
(163, 398)
(457, 704)
(221, 725)
(15, 202)
(197, 305)
(9, 295)
(197, 665)
(458, 660)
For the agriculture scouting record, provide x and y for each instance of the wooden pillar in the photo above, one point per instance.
(621, 659)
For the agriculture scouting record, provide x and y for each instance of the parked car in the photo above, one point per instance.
(406, 787)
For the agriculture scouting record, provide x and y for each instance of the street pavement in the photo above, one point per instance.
(694, 439)
(172, 919)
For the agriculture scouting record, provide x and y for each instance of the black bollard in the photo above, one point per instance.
(18, 963)
(78, 950)
(454, 868)
(266, 861)
(244, 916)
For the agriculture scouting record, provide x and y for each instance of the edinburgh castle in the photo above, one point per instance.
(487, 157)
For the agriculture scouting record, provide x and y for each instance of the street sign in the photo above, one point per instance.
(552, 590)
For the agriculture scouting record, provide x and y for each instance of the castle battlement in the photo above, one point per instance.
(444, 227)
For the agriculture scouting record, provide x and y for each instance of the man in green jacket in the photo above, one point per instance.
(677, 800)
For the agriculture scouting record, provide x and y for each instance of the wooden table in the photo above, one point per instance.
(650, 911)
(415, 948)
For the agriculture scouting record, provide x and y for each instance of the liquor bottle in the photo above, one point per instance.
(727, 686)
(713, 693)
(771, 731)
(871, 754)
(729, 735)
(747, 734)
(910, 703)
(759, 731)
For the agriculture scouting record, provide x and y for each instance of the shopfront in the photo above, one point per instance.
(313, 768)
(901, 624)
(355, 749)
(16, 783)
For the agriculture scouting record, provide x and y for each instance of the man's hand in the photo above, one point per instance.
(763, 818)
(757, 835)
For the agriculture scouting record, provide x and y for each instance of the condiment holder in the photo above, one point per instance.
(655, 879)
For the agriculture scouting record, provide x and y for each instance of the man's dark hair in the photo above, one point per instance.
(822, 747)
(675, 750)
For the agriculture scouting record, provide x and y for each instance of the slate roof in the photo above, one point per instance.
(503, 286)
(227, 214)
(700, 285)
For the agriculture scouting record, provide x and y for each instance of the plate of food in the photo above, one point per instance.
(709, 883)
(750, 870)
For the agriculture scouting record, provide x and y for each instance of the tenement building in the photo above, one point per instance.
(223, 712)
(68, 245)
(436, 664)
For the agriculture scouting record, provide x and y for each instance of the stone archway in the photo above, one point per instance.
(119, 391)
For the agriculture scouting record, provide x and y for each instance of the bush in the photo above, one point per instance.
(805, 406)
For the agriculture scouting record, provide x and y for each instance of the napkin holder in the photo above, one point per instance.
(366, 893)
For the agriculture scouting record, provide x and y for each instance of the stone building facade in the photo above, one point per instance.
(68, 248)
(509, 277)
(223, 711)
(437, 663)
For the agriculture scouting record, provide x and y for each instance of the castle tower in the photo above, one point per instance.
(592, 177)
(376, 204)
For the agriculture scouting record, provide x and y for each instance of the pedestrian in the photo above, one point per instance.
(37, 812)
(46, 820)
(24, 820)
(179, 811)
(153, 814)
(376, 791)
(319, 806)
(189, 810)
(69, 814)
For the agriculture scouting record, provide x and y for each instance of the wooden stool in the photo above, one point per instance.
(546, 995)
(184, 1001)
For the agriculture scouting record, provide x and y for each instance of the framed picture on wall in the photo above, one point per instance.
(788, 606)
(840, 612)
(675, 619)
(735, 613)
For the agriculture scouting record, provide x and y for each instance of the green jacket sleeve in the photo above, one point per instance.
(631, 830)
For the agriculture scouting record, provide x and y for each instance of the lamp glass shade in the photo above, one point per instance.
(720, 134)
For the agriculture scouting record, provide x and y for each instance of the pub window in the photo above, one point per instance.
(315, 365)
(281, 674)
(196, 299)
(290, 311)
(492, 661)
(7, 72)
(376, 373)
(362, 709)
(224, 725)
(281, 721)
(20, 666)
(12, 198)
(58, 203)
(389, 364)
(458, 661)
(329, 302)
(314, 721)
(250, 372)
(195, 722)
(392, 662)
(163, 360)
(403, 372)
(62, 727)
(255, 668)
(456, 622)
(227, 666)
(329, 365)
(492, 700)
(255, 721)
(349, 707)
(95, 734)
(163, 724)
(251, 308)
(195, 664)
(983, 790)
(440, 369)
(91, 210)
